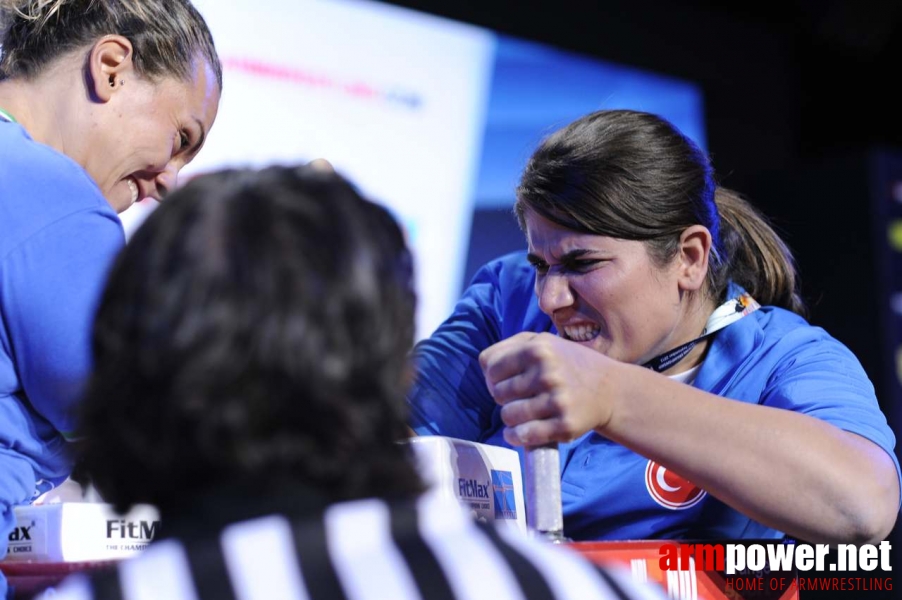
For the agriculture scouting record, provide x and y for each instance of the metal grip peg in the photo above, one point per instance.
(543, 492)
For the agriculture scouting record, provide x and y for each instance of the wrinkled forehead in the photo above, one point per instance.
(546, 238)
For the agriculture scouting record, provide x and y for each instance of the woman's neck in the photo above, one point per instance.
(41, 105)
(11, 101)
(698, 311)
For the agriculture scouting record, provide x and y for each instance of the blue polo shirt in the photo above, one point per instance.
(771, 357)
(58, 237)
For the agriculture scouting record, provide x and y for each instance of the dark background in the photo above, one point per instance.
(802, 116)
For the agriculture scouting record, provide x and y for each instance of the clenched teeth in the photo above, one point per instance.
(580, 333)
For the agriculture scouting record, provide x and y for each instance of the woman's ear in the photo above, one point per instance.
(109, 61)
(695, 247)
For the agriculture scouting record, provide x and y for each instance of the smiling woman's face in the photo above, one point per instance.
(150, 131)
(605, 293)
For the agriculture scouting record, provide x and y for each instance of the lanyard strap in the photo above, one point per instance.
(726, 314)
(6, 116)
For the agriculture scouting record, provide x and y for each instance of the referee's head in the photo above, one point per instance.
(255, 330)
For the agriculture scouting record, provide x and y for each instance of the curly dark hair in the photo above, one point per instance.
(255, 327)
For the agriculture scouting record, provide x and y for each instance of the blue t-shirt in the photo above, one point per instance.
(771, 357)
(58, 237)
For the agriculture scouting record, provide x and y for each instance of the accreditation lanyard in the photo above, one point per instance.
(726, 314)
(5, 116)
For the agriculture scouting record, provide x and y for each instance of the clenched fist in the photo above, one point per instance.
(550, 389)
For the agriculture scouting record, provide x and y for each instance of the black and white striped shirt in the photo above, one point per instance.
(359, 550)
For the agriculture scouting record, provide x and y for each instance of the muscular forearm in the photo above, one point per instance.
(787, 470)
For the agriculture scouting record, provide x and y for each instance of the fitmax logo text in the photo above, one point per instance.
(470, 488)
(136, 530)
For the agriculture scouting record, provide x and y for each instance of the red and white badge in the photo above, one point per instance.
(669, 489)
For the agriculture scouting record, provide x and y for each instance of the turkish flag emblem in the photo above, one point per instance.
(669, 489)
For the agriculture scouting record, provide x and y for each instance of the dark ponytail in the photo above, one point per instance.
(756, 257)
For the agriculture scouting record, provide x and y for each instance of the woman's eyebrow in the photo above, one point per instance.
(567, 257)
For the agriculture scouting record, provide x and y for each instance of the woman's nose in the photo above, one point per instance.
(554, 292)
(167, 180)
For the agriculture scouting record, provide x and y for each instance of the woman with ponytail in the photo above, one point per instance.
(101, 103)
(655, 330)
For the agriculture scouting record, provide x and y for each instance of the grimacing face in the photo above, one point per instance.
(605, 293)
(153, 129)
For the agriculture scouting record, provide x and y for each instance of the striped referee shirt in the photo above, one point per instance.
(359, 550)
